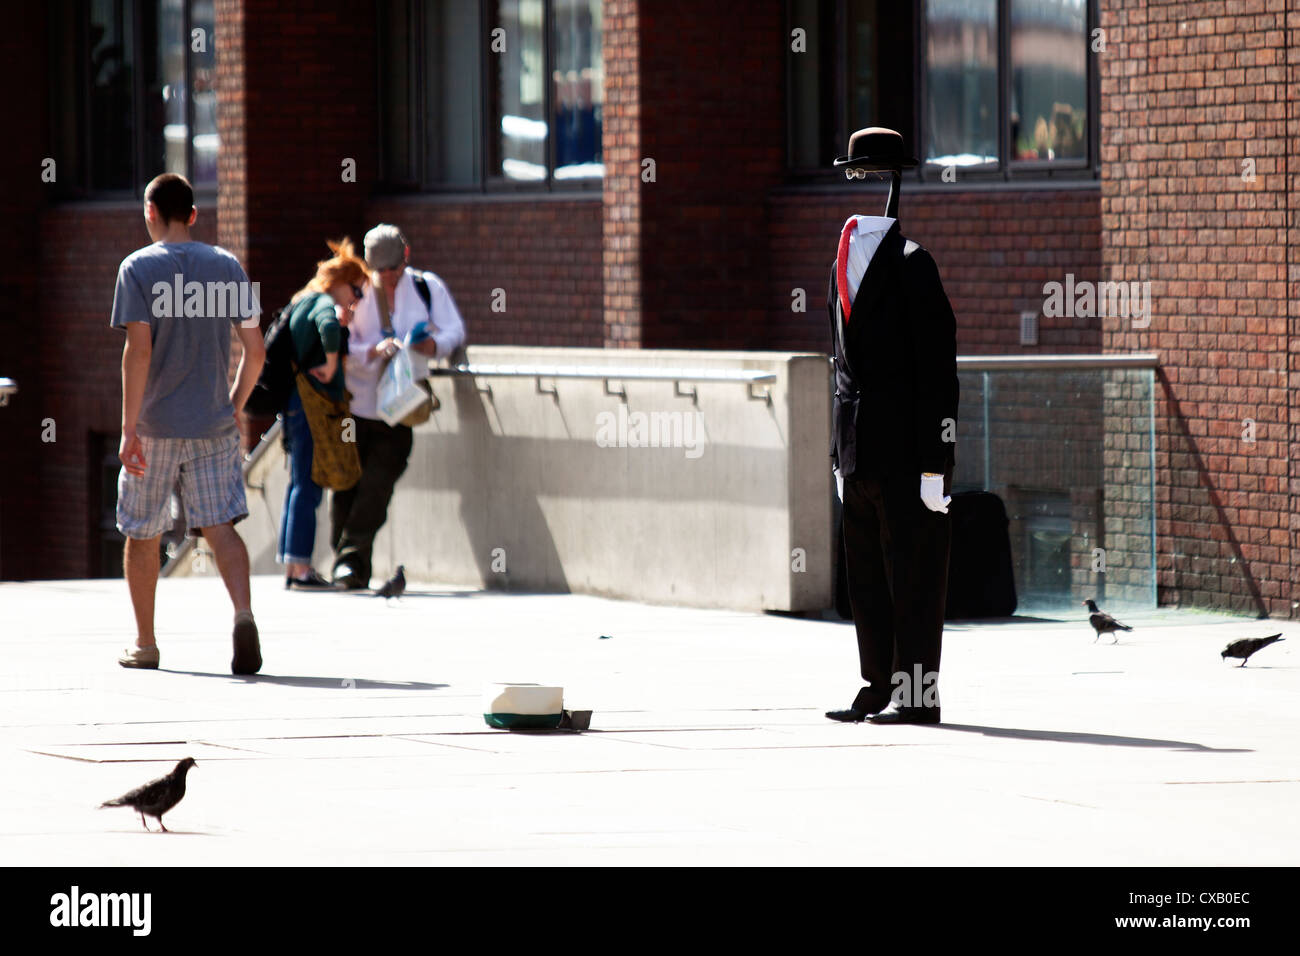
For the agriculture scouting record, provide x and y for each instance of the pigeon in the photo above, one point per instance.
(1249, 645)
(156, 797)
(394, 586)
(1103, 623)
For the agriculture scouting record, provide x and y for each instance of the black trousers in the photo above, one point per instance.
(356, 515)
(896, 556)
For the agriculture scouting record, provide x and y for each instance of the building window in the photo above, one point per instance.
(135, 94)
(851, 64)
(998, 88)
(960, 112)
(503, 94)
(1049, 80)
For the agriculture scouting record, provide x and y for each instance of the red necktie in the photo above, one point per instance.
(842, 268)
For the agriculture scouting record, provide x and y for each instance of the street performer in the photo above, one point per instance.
(894, 424)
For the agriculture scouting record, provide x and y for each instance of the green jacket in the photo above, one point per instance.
(315, 329)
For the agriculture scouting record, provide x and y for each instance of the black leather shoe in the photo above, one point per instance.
(865, 704)
(893, 714)
(349, 580)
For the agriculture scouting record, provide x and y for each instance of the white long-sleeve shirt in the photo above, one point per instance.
(863, 243)
(446, 327)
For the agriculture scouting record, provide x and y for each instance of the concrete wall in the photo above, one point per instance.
(509, 488)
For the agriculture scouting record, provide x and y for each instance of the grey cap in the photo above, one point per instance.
(385, 247)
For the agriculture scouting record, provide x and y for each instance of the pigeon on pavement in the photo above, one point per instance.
(156, 797)
(1103, 623)
(394, 586)
(1249, 645)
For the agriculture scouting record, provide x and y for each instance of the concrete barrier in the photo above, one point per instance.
(702, 493)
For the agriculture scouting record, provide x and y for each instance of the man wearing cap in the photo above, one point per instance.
(421, 315)
(893, 437)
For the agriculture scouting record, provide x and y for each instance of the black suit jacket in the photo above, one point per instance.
(895, 367)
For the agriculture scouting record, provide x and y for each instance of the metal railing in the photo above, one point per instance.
(614, 373)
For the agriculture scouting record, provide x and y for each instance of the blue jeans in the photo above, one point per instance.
(302, 497)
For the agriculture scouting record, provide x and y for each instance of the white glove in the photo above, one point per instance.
(932, 493)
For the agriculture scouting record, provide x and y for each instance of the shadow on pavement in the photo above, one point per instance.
(411, 593)
(1014, 619)
(1108, 740)
(348, 683)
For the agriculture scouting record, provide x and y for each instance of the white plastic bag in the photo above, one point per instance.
(399, 390)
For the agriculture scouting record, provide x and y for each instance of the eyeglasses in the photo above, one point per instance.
(855, 174)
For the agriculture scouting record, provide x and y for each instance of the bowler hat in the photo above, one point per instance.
(876, 148)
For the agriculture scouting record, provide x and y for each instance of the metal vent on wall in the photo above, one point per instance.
(1028, 328)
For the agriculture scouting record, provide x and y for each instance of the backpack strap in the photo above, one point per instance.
(422, 287)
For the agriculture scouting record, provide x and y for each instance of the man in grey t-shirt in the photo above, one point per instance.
(177, 301)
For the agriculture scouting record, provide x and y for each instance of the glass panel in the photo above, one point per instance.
(811, 109)
(863, 100)
(1049, 79)
(452, 129)
(396, 72)
(110, 112)
(961, 75)
(172, 44)
(517, 139)
(203, 69)
(68, 63)
(579, 81)
(1069, 454)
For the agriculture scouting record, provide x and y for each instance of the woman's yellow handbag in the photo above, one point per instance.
(335, 463)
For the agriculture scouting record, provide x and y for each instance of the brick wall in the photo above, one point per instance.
(545, 256)
(1190, 90)
(621, 148)
(306, 104)
(995, 251)
(711, 112)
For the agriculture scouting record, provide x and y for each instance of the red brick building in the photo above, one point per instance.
(634, 174)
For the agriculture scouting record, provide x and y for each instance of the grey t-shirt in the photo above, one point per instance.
(191, 294)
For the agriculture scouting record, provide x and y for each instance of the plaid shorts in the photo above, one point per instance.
(211, 481)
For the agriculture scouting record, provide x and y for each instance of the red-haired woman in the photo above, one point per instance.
(318, 314)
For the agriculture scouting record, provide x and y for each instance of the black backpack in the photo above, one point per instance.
(270, 396)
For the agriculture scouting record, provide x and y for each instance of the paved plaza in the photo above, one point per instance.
(362, 741)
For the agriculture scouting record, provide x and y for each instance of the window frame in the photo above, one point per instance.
(487, 182)
(1007, 169)
(79, 187)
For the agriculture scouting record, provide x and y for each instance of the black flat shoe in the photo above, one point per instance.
(893, 714)
(348, 579)
(312, 582)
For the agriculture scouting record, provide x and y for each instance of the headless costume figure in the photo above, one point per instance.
(893, 433)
